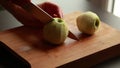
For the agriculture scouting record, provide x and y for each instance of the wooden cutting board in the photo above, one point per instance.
(28, 43)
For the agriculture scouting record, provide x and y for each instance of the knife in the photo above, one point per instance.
(40, 14)
(43, 16)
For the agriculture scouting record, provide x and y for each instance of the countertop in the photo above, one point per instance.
(7, 21)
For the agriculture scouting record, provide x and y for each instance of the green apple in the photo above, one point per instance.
(56, 31)
(88, 22)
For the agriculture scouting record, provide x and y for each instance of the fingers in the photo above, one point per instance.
(25, 18)
(20, 2)
(51, 8)
(28, 19)
(21, 15)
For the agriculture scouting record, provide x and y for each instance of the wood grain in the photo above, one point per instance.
(28, 43)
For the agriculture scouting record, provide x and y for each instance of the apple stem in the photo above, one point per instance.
(59, 20)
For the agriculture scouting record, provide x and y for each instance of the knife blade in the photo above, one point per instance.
(43, 16)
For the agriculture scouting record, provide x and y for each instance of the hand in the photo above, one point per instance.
(28, 19)
(52, 9)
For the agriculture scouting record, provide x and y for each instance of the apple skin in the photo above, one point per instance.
(56, 31)
(88, 22)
